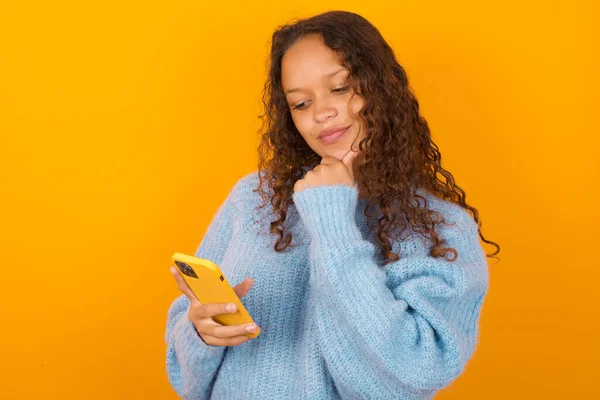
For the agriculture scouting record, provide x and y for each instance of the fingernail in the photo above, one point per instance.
(172, 269)
(231, 307)
(251, 328)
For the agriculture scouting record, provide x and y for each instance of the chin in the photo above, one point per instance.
(339, 153)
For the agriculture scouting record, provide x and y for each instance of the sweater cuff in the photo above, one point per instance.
(329, 212)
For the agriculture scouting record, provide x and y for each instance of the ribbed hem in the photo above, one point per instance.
(329, 212)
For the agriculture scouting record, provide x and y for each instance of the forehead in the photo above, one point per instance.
(306, 61)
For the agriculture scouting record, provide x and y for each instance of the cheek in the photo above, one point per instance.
(356, 104)
(303, 124)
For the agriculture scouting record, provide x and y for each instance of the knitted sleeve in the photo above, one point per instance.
(409, 327)
(191, 363)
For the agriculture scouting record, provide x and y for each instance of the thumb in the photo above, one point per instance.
(349, 157)
(244, 287)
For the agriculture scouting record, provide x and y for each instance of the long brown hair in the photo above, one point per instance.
(398, 153)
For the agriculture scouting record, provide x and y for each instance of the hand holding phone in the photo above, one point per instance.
(201, 315)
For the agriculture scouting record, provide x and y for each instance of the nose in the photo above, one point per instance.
(323, 112)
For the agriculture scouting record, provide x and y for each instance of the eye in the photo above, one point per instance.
(341, 90)
(300, 106)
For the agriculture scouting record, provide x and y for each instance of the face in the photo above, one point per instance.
(319, 98)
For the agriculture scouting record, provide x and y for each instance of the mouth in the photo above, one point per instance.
(332, 135)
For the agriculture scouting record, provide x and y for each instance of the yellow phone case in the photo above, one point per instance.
(208, 283)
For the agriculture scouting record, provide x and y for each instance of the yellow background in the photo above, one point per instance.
(124, 124)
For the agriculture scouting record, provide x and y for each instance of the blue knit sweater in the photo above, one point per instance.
(336, 323)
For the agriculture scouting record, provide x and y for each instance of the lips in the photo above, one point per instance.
(331, 136)
(331, 131)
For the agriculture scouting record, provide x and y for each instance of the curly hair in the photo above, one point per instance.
(398, 153)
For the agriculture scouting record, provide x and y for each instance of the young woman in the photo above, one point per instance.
(367, 271)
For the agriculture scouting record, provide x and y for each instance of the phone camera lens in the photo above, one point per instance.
(186, 269)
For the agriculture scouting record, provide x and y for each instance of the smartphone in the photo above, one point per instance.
(209, 285)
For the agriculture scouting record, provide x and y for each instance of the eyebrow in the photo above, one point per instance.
(329, 75)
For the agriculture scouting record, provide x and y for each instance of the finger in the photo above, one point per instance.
(244, 287)
(233, 341)
(328, 160)
(349, 157)
(224, 332)
(209, 310)
(298, 186)
(183, 286)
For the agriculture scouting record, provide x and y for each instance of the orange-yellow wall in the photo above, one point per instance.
(124, 124)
